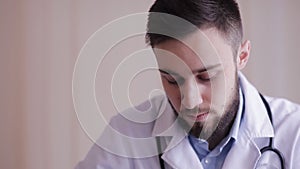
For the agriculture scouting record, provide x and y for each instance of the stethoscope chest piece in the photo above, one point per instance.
(269, 160)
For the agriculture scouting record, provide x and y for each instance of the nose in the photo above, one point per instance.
(190, 95)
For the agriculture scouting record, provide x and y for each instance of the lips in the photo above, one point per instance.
(201, 117)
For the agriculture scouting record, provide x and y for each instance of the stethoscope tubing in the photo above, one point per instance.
(270, 147)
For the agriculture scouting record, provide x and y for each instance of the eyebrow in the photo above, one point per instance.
(194, 71)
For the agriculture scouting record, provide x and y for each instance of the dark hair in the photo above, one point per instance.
(223, 15)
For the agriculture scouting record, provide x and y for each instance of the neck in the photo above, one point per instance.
(220, 133)
(224, 126)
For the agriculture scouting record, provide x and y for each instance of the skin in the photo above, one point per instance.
(199, 76)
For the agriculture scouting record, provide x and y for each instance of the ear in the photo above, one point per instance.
(243, 55)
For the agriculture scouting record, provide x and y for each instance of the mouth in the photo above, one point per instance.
(200, 117)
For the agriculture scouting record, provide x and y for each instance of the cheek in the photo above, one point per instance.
(218, 91)
(222, 88)
(207, 95)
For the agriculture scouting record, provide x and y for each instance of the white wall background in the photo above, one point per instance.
(39, 43)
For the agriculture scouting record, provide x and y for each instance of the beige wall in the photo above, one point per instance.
(273, 28)
(39, 43)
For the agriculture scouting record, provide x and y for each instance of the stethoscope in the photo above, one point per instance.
(270, 147)
(263, 150)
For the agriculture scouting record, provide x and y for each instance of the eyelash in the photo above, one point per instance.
(173, 81)
(205, 79)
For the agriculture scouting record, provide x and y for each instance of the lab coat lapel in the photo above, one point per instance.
(255, 124)
(178, 153)
(243, 154)
(182, 156)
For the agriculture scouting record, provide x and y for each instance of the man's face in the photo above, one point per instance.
(200, 80)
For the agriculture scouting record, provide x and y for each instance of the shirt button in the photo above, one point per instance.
(206, 161)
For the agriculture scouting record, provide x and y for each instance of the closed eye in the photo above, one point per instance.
(173, 81)
(207, 76)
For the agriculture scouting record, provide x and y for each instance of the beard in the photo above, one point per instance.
(218, 127)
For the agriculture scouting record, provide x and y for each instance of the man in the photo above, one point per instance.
(212, 117)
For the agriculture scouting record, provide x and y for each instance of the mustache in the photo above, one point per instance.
(191, 111)
(195, 110)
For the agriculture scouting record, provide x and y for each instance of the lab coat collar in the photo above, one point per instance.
(256, 122)
(255, 125)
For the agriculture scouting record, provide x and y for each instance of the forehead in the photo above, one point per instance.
(197, 50)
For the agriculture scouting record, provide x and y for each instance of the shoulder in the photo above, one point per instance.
(286, 114)
(286, 121)
(286, 117)
(138, 121)
(284, 110)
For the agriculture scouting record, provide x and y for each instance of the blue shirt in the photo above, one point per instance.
(215, 158)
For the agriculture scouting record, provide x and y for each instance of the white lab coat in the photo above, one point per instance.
(254, 133)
